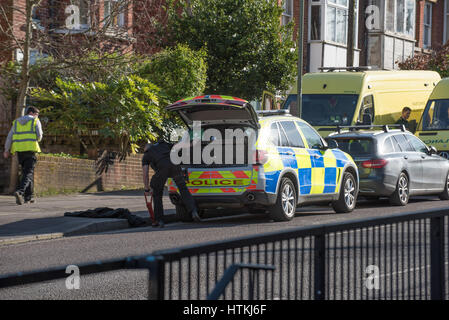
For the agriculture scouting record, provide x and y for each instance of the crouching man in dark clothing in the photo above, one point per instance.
(157, 156)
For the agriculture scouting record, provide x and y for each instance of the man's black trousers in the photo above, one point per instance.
(165, 171)
(27, 161)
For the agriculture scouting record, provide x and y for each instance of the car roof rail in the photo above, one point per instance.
(265, 113)
(356, 69)
(385, 127)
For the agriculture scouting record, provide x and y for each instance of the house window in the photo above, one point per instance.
(34, 14)
(114, 13)
(84, 13)
(428, 25)
(337, 21)
(287, 15)
(401, 16)
(315, 23)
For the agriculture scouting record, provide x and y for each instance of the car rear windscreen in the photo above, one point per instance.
(356, 147)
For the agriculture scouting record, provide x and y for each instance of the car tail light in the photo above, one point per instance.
(260, 157)
(374, 164)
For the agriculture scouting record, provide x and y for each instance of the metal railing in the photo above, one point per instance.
(403, 256)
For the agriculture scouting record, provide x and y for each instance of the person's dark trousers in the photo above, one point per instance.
(27, 161)
(158, 182)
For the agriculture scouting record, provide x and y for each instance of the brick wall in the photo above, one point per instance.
(296, 7)
(438, 24)
(60, 174)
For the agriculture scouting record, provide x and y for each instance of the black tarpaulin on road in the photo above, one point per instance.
(120, 213)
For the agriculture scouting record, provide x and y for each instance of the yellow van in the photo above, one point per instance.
(433, 128)
(361, 96)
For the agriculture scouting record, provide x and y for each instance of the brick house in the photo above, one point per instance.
(71, 22)
(397, 29)
(433, 20)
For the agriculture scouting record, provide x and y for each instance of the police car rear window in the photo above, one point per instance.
(356, 147)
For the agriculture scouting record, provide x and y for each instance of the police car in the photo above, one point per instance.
(278, 163)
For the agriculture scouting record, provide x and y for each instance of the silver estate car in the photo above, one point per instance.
(394, 163)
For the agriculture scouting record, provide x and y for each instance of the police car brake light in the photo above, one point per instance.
(374, 164)
(260, 157)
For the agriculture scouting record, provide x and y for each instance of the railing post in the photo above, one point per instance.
(320, 267)
(437, 279)
(156, 277)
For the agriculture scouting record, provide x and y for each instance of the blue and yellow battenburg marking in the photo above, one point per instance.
(318, 171)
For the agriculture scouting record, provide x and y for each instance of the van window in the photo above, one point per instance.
(329, 109)
(293, 134)
(367, 108)
(290, 103)
(436, 115)
(312, 137)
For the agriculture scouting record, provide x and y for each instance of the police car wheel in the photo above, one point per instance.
(348, 195)
(400, 196)
(182, 214)
(285, 207)
(445, 194)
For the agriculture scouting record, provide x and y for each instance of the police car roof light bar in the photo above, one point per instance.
(265, 113)
(385, 127)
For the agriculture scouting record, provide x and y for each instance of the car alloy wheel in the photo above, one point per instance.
(350, 193)
(288, 200)
(403, 189)
(347, 197)
(285, 207)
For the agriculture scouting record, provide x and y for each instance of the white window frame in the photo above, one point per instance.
(322, 27)
(428, 6)
(324, 4)
(336, 7)
(395, 21)
(120, 16)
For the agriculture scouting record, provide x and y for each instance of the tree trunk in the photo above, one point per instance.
(23, 88)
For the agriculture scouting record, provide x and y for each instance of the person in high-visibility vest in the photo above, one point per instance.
(23, 139)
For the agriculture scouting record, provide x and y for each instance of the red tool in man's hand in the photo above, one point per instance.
(150, 206)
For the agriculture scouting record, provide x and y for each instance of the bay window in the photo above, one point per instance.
(315, 23)
(337, 22)
(400, 16)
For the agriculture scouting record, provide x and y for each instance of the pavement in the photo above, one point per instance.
(45, 219)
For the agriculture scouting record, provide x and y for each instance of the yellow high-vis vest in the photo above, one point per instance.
(24, 137)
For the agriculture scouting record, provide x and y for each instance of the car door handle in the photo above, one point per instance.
(317, 156)
(289, 153)
(423, 157)
(405, 157)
